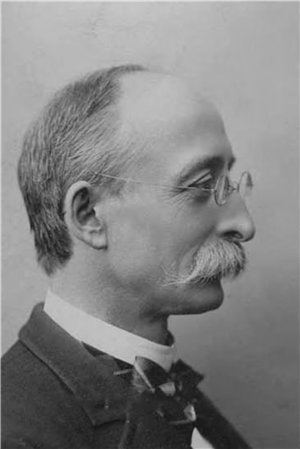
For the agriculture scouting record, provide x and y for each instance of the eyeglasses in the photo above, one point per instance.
(222, 189)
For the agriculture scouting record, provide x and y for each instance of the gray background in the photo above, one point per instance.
(245, 57)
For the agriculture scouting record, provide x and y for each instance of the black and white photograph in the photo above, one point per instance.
(150, 225)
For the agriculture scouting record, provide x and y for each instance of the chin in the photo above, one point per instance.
(203, 298)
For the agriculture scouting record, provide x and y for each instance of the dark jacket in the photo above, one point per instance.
(58, 394)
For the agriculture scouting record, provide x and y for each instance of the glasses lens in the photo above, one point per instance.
(245, 185)
(222, 189)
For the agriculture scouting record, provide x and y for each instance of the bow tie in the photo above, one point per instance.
(167, 394)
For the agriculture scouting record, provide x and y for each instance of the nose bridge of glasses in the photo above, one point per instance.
(225, 187)
(233, 185)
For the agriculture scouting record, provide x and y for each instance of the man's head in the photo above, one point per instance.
(158, 236)
(75, 138)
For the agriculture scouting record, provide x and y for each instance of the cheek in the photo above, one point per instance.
(137, 245)
(147, 242)
(191, 233)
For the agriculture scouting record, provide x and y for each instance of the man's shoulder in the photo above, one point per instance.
(12, 357)
(38, 407)
(24, 375)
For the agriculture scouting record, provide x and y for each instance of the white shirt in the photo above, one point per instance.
(112, 340)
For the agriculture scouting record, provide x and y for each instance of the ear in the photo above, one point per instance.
(80, 215)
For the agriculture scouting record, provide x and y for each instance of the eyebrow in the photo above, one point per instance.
(208, 162)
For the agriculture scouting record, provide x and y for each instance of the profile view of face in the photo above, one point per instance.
(171, 246)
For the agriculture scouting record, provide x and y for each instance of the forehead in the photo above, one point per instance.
(169, 123)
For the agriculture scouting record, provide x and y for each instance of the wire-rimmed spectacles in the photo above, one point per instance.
(222, 190)
(224, 187)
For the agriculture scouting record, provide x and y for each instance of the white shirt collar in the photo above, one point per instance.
(105, 337)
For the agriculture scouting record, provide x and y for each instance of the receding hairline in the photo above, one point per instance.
(153, 104)
(142, 85)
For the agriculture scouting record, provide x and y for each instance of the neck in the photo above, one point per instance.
(116, 307)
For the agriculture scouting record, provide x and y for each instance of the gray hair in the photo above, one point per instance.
(75, 138)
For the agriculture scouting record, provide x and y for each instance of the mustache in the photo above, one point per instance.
(214, 260)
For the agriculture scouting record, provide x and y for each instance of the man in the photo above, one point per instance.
(125, 177)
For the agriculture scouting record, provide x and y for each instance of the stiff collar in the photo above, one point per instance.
(105, 337)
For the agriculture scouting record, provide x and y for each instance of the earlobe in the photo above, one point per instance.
(80, 215)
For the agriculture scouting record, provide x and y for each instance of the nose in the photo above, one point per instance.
(235, 221)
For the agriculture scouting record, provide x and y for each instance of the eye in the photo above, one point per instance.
(204, 183)
(201, 189)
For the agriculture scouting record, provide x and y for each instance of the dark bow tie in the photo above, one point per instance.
(167, 394)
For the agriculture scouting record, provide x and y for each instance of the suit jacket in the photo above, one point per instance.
(58, 394)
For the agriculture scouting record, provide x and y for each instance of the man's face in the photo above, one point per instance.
(157, 234)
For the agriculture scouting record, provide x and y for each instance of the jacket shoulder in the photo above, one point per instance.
(38, 410)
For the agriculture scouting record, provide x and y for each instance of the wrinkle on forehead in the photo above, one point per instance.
(154, 106)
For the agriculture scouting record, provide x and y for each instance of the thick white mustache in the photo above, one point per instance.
(214, 260)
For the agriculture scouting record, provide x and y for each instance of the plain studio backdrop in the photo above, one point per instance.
(244, 56)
